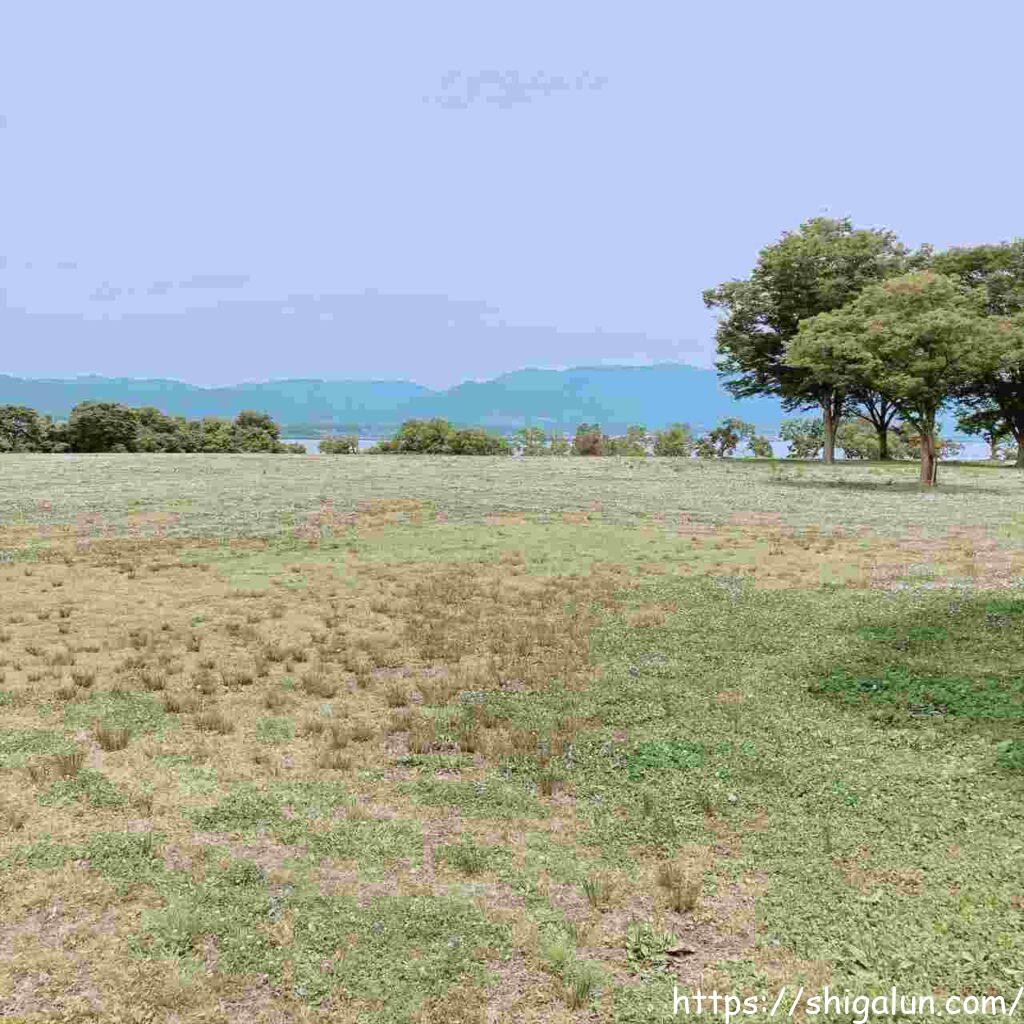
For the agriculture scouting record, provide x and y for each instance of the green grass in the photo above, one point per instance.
(467, 856)
(373, 844)
(136, 712)
(212, 496)
(855, 757)
(485, 798)
(406, 949)
(18, 745)
(88, 787)
(275, 730)
(281, 807)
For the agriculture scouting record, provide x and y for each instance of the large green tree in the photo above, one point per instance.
(23, 430)
(997, 269)
(996, 274)
(815, 269)
(102, 427)
(915, 340)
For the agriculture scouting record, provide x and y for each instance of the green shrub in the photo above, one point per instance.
(347, 444)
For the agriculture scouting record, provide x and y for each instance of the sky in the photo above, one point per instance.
(232, 191)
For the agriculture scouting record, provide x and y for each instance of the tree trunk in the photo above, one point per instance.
(830, 431)
(929, 456)
(1018, 436)
(993, 448)
(883, 442)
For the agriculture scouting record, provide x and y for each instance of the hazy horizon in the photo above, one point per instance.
(339, 379)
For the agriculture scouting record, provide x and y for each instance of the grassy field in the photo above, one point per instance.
(387, 739)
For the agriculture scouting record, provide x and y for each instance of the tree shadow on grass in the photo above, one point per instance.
(888, 486)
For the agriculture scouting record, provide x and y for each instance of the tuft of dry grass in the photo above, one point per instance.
(362, 732)
(274, 698)
(83, 677)
(205, 682)
(12, 816)
(335, 760)
(317, 683)
(110, 738)
(214, 721)
(38, 771)
(396, 695)
(682, 881)
(422, 734)
(178, 703)
(70, 764)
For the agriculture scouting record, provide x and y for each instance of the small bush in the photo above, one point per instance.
(346, 444)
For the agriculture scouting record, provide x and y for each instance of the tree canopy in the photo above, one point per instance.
(915, 340)
(816, 269)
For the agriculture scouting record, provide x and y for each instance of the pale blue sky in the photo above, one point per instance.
(223, 191)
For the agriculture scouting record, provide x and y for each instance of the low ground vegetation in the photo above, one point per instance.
(388, 762)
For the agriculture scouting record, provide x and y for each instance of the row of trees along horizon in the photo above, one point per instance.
(94, 427)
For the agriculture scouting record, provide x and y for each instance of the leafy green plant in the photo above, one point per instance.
(647, 947)
(664, 755)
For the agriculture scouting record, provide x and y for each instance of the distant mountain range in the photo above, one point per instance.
(613, 396)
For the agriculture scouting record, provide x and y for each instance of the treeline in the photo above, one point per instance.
(804, 436)
(439, 437)
(111, 427)
(853, 323)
